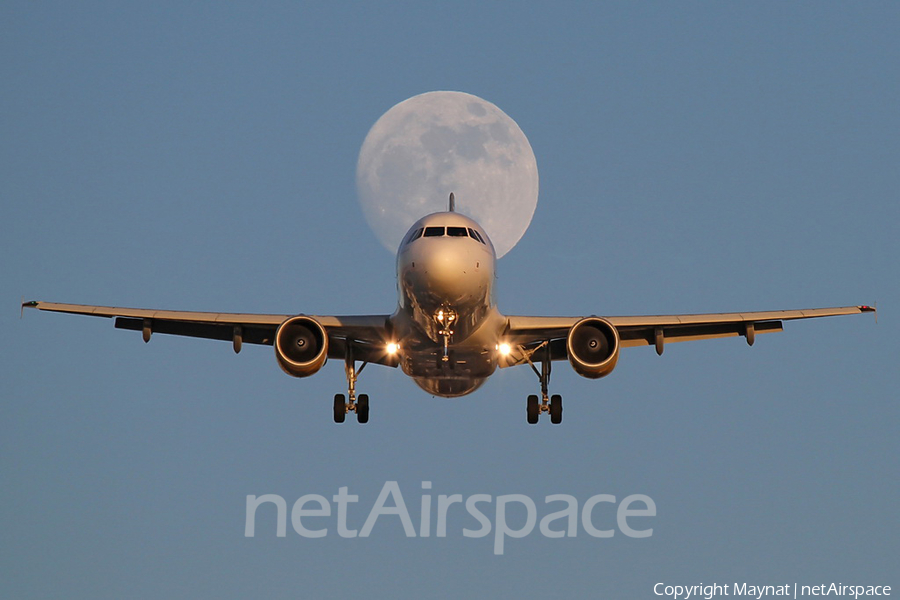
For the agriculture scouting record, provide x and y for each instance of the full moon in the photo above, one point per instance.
(436, 143)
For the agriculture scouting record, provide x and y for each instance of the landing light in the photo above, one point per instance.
(504, 349)
(392, 348)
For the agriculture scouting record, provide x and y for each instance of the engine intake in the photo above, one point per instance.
(301, 346)
(593, 347)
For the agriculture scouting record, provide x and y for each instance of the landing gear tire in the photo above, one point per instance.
(340, 408)
(362, 408)
(556, 409)
(534, 410)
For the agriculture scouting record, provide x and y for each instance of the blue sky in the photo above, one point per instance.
(692, 156)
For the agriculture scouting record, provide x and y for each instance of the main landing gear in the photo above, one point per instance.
(546, 404)
(358, 404)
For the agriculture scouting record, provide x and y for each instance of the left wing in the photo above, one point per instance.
(359, 330)
(658, 330)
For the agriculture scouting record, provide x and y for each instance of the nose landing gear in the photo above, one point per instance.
(360, 404)
(445, 319)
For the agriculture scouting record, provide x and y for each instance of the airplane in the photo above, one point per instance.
(447, 333)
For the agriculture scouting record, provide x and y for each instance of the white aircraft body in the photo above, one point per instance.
(447, 333)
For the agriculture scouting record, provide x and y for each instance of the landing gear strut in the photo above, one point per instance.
(445, 319)
(359, 405)
(547, 403)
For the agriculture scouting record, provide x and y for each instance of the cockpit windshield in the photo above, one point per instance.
(453, 231)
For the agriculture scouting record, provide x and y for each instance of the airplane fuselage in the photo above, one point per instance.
(446, 314)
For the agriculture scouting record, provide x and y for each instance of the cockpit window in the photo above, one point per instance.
(445, 231)
(414, 235)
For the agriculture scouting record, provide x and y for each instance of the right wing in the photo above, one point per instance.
(361, 331)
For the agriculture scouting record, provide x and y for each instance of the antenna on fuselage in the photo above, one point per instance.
(452, 203)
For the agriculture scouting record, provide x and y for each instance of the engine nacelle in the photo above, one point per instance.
(593, 347)
(301, 346)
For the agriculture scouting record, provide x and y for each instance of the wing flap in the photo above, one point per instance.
(250, 334)
(646, 336)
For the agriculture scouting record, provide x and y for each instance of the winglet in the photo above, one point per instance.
(872, 309)
(452, 203)
(29, 304)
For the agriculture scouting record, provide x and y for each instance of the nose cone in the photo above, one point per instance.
(447, 266)
(443, 271)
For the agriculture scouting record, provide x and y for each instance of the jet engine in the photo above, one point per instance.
(301, 346)
(593, 347)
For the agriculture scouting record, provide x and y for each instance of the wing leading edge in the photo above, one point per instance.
(661, 329)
